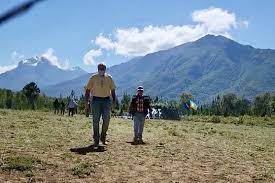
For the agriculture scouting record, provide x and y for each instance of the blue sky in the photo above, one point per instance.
(83, 33)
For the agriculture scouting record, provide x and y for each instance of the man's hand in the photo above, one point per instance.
(87, 103)
(113, 92)
(87, 109)
(113, 105)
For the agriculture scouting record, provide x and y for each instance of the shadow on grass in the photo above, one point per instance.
(88, 149)
(137, 143)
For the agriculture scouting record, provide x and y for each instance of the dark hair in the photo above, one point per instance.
(101, 66)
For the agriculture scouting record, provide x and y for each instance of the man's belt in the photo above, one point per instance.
(100, 98)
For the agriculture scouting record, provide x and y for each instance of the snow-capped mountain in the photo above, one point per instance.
(39, 70)
(205, 68)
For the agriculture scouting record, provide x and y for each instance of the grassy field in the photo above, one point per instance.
(35, 147)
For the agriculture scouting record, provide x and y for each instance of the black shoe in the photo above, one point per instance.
(141, 141)
(96, 143)
(135, 141)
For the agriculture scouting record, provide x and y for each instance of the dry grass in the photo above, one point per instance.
(35, 147)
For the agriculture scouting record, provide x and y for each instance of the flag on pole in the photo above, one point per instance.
(186, 106)
(193, 105)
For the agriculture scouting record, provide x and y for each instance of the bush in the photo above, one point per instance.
(83, 169)
(19, 163)
(241, 120)
(215, 119)
(171, 113)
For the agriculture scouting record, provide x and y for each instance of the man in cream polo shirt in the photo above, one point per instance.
(102, 87)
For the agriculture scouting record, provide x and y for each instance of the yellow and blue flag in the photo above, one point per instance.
(193, 105)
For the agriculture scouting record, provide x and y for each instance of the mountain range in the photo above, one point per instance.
(40, 70)
(207, 67)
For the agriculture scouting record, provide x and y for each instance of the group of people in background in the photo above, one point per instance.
(60, 106)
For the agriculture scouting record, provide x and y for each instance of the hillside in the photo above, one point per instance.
(207, 67)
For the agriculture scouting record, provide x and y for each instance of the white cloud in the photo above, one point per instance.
(90, 56)
(216, 20)
(243, 23)
(135, 41)
(17, 56)
(4, 69)
(49, 54)
(104, 42)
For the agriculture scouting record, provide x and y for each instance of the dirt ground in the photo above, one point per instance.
(37, 147)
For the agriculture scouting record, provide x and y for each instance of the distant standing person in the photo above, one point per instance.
(101, 86)
(56, 106)
(75, 107)
(62, 107)
(71, 107)
(138, 108)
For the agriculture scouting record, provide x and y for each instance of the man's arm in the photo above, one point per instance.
(88, 89)
(113, 92)
(130, 108)
(113, 104)
(87, 97)
(87, 94)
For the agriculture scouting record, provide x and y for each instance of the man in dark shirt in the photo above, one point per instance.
(62, 107)
(56, 106)
(139, 107)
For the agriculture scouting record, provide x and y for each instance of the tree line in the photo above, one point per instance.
(232, 105)
(28, 98)
(223, 105)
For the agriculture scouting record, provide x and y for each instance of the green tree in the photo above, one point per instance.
(43, 102)
(31, 91)
(185, 97)
(217, 106)
(20, 101)
(2, 98)
(9, 96)
(243, 106)
(171, 111)
(156, 99)
(273, 103)
(229, 104)
(125, 102)
(263, 104)
(81, 104)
